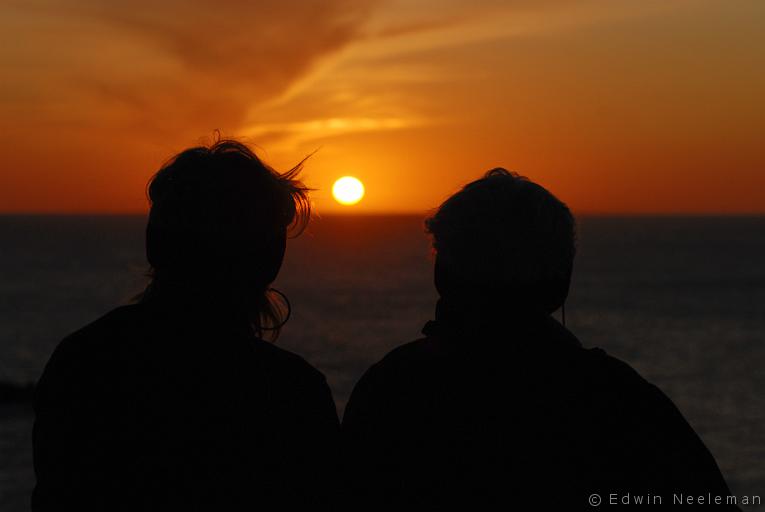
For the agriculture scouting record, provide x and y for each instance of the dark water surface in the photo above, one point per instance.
(680, 299)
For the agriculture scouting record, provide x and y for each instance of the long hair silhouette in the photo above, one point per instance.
(217, 230)
(176, 402)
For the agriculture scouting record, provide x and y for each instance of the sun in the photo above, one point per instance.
(348, 190)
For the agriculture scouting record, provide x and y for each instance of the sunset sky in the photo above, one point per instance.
(645, 106)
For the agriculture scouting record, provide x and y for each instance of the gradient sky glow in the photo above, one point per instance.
(617, 106)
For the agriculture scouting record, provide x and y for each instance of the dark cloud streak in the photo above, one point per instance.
(197, 66)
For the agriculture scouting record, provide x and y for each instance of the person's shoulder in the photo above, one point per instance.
(411, 353)
(605, 365)
(118, 317)
(643, 408)
(401, 367)
(284, 362)
(616, 378)
(91, 337)
(408, 359)
(419, 348)
(83, 355)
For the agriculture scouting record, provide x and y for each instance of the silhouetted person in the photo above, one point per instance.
(176, 402)
(500, 407)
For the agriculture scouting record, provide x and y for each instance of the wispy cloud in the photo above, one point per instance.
(293, 135)
(387, 71)
(96, 93)
(168, 66)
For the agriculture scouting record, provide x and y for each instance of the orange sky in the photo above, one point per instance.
(650, 106)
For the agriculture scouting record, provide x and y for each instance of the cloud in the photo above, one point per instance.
(176, 69)
(172, 68)
(412, 26)
(295, 134)
(399, 69)
(96, 94)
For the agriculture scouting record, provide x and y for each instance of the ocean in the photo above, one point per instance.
(681, 299)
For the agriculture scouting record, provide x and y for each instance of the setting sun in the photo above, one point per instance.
(348, 190)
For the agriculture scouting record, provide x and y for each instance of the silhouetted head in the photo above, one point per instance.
(504, 239)
(218, 227)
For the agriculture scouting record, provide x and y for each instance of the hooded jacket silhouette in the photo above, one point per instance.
(499, 406)
(514, 414)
